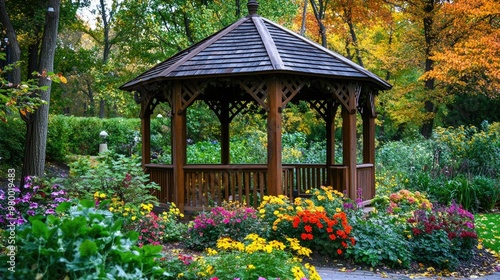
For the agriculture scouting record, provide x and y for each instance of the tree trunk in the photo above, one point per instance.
(429, 86)
(15, 50)
(37, 123)
(304, 19)
(319, 13)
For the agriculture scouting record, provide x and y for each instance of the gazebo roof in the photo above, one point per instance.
(255, 45)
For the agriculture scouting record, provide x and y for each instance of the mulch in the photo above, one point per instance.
(482, 263)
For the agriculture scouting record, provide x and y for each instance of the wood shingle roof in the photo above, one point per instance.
(255, 45)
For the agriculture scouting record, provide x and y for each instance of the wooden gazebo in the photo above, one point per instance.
(257, 61)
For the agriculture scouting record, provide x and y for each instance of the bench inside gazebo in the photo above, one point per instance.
(256, 62)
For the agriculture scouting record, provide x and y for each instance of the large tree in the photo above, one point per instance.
(37, 121)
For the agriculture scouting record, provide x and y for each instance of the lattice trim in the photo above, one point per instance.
(150, 102)
(289, 89)
(189, 93)
(321, 107)
(233, 107)
(343, 93)
(257, 88)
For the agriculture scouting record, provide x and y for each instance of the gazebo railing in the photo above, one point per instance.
(209, 185)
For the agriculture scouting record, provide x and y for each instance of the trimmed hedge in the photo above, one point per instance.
(80, 135)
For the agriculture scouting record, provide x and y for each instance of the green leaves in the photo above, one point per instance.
(84, 243)
(39, 229)
(87, 248)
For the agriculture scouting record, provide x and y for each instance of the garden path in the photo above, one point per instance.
(334, 274)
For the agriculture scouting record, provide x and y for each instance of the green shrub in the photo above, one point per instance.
(84, 243)
(12, 142)
(58, 138)
(488, 192)
(379, 241)
(114, 175)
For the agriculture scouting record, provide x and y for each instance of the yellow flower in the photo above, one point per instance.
(180, 275)
(102, 195)
(250, 267)
(211, 252)
(133, 218)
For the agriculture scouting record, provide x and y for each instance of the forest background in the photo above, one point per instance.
(442, 57)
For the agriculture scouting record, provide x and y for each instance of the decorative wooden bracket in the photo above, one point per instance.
(346, 93)
(234, 107)
(290, 88)
(257, 89)
(321, 107)
(189, 93)
(366, 104)
(149, 101)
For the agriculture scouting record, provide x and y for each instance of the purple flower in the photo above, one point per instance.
(50, 212)
(33, 205)
(31, 212)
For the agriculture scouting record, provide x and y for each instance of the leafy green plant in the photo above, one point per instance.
(379, 241)
(80, 242)
(113, 175)
(489, 192)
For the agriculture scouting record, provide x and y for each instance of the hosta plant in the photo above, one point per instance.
(81, 242)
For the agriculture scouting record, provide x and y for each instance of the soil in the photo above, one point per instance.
(481, 263)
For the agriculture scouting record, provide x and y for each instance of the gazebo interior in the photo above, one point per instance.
(256, 62)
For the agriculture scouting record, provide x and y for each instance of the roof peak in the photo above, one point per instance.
(252, 6)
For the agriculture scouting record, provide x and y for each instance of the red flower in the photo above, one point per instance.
(303, 236)
(332, 236)
(308, 228)
(339, 251)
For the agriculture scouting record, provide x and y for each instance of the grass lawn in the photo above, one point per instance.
(488, 229)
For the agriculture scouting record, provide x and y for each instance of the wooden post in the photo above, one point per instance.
(368, 139)
(178, 145)
(146, 134)
(369, 142)
(225, 137)
(349, 149)
(274, 165)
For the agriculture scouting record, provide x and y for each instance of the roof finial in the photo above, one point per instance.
(252, 6)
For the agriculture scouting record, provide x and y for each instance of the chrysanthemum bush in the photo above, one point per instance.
(319, 222)
(229, 220)
(443, 236)
(155, 229)
(252, 258)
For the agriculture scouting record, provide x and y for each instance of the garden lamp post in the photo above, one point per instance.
(103, 147)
